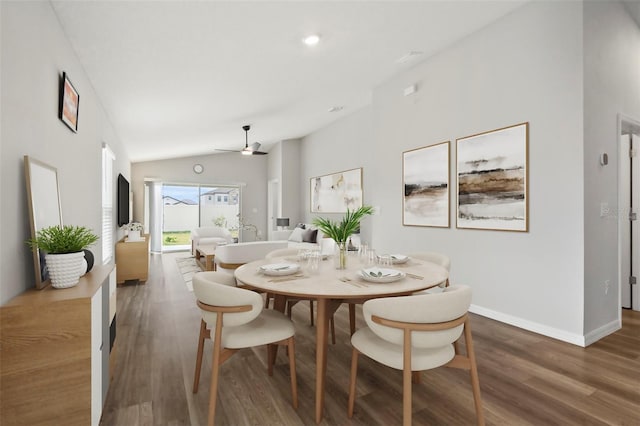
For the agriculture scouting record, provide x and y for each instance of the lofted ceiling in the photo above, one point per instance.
(181, 78)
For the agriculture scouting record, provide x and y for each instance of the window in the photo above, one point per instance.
(226, 198)
(219, 198)
(107, 204)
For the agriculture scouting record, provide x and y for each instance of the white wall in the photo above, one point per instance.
(248, 171)
(611, 86)
(35, 52)
(291, 180)
(525, 67)
(284, 165)
(346, 144)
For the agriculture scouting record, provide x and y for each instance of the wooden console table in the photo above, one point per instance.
(132, 258)
(54, 352)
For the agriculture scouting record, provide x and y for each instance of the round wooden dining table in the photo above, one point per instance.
(330, 287)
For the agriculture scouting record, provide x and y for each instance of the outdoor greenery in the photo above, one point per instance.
(60, 240)
(177, 238)
(340, 231)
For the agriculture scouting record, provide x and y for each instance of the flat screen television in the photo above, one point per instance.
(123, 200)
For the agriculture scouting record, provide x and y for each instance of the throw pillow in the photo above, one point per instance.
(309, 235)
(296, 235)
(301, 226)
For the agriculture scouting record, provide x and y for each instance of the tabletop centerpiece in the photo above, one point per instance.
(134, 230)
(341, 231)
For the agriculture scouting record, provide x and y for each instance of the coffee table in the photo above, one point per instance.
(208, 253)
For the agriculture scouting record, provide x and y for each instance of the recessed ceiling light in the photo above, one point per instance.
(335, 108)
(311, 40)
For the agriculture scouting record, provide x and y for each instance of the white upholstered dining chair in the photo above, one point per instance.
(416, 333)
(438, 259)
(291, 301)
(233, 318)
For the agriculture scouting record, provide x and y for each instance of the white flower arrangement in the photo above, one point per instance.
(133, 226)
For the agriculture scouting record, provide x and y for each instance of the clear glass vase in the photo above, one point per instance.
(340, 255)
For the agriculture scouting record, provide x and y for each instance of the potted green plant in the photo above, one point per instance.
(341, 231)
(64, 247)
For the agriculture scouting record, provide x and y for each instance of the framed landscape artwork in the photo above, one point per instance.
(493, 179)
(336, 192)
(425, 185)
(69, 103)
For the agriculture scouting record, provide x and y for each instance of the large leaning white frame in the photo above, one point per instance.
(43, 195)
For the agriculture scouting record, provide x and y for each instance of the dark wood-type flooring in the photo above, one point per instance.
(525, 378)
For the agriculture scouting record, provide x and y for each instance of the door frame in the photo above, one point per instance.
(624, 122)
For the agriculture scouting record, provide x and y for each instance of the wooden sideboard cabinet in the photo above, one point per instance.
(132, 258)
(54, 352)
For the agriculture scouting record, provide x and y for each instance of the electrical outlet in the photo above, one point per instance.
(607, 286)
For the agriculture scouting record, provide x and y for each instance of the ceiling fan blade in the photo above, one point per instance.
(228, 150)
(259, 153)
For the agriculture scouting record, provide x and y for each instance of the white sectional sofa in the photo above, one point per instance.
(305, 238)
(230, 256)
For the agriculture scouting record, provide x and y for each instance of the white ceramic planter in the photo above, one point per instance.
(134, 235)
(65, 269)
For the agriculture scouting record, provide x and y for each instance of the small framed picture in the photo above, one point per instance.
(69, 103)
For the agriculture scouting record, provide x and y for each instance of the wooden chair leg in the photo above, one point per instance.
(267, 300)
(292, 371)
(333, 330)
(271, 359)
(201, 337)
(352, 384)
(473, 370)
(352, 318)
(406, 379)
(215, 372)
(311, 312)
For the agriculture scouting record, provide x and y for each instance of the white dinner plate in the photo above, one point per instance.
(277, 269)
(399, 258)
(381, 275)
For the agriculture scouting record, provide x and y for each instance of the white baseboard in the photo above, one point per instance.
(603, 331)
(575, 339)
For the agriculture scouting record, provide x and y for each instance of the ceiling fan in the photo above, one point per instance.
(253, 149)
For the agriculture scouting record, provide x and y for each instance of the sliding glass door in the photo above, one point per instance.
(220, 206)
(179, 216)
(185, 207)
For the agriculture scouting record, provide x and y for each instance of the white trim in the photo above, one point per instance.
(622, 276)
(575, 339)
(603, 331)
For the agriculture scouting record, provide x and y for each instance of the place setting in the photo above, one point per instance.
(282, 271)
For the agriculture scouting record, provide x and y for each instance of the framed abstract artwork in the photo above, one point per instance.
(336, 192)
(492, 170)
(69, 103)
(425, 185)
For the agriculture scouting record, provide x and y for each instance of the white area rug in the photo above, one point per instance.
(188, 267)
